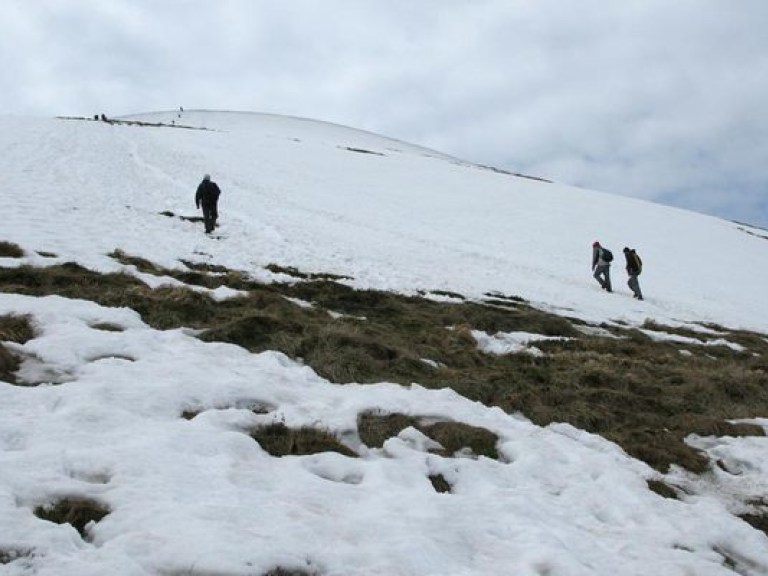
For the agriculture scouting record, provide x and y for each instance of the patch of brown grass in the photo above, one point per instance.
(107, 327)
(9, 363)
(18, 329)
(439, 483)
(663, 489)
(141, 264)
(641, 394)
(10, 250)
(77, 511)
(457, 436)
(374, 429)
(296, 273)
(279, 440)
(757, 521)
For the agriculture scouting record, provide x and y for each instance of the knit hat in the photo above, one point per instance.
(207, 177)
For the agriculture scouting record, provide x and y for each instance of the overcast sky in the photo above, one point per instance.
(664, 100)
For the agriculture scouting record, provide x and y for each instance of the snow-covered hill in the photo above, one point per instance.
(200, 497)
(403, 218)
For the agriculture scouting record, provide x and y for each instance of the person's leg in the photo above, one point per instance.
(598, 276)
(634, 284)
(608, 279)
(207, 218)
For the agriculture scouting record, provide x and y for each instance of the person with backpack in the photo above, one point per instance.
(601, 265)
(208, 196)
(634, 268)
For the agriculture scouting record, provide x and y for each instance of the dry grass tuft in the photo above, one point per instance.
(279, 440)
(142, 264)
(77, 511)
(663, 489)
(757, 521)
(440, 484)
(374, 429)
(457, 436)
(107, 327)
(16, 329)
(10, 250)
(205, 267)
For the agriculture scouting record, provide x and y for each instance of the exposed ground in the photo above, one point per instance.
(645, 394)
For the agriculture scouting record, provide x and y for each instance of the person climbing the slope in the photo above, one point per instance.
(601, 265)
(634, 268)
(208, 196)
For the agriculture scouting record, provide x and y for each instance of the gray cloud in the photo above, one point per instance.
(649, 98)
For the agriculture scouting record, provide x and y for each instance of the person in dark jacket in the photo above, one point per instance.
(208, 197)
(601, 266)
(634, 268)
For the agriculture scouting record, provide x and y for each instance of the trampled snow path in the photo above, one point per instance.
(201, 497)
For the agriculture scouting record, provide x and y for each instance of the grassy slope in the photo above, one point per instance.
(644, 395)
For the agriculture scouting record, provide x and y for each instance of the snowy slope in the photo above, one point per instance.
(200, 497)
(409, 219)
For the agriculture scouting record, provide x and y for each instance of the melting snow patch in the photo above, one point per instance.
(224, 293)
(595, 331)
(300, 303)
(510, 342)
(432, 363)
(337, 315)
(218, 294)
(739, 479)
(418, 441)
(667, 337)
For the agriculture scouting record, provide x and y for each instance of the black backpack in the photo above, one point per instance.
(607, 255)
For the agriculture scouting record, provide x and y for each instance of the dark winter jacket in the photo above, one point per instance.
(634, 263)
(207, 193)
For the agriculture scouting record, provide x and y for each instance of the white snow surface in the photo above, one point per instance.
(510, 342)
(201, 497)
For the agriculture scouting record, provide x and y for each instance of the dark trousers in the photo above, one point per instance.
(634, 285)
(210, 215)
(603, 275)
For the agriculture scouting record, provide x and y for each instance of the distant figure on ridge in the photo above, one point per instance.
(601, 265)
(208, 195)
(634, 268)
